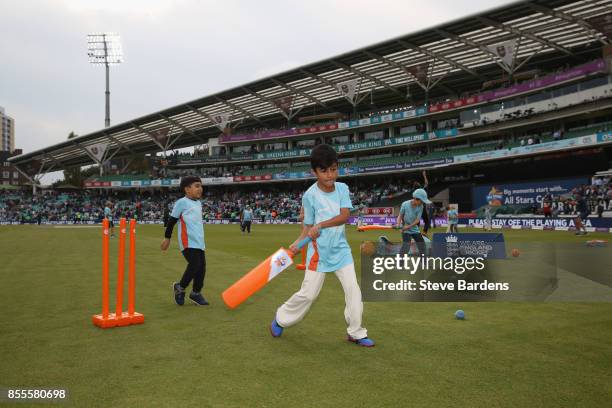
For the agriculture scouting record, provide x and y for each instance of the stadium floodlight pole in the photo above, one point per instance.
(105, 49)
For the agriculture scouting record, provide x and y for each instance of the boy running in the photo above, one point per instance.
(188, 210)
(327, 205)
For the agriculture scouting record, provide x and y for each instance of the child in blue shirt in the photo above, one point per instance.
(187, 212)
(453, 219)
(245, 219)
(108, 214)
(410, 217)
(327, 205)
(360, 219)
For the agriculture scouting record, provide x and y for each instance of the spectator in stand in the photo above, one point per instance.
(583, 213)
(547, 209)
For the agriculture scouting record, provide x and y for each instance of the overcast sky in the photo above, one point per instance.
(177, 50)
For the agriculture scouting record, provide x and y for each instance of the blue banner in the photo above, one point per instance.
(405, 165)
(440, 133)
(342, 171)
(422, 110)
(603, 137)
(421, 137)
(542, 223)
(346, 171)
(530, 193)
(428, 163)
(382, 167)
(472, 245)
(572, 143)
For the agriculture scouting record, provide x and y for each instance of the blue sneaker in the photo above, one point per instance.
(364, 342)
(179, 294)
(198, 299)
(275, 329)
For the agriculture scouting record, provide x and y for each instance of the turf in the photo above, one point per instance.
(503, 355)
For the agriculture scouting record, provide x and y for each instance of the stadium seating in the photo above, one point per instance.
(370, 162)
(88, 206)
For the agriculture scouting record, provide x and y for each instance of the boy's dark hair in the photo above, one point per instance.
(323, 156)
(189, 180)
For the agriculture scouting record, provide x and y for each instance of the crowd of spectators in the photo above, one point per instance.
(206, 172)
(86, 206)
(597, 195)
(75, 206)
(280, 203)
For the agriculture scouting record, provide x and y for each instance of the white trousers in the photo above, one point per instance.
(296, 307)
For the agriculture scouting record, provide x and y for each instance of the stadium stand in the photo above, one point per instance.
(86, 206)
(480, 126)
(219, 203)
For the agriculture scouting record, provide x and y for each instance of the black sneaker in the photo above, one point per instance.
(179, 294)
(198, 299)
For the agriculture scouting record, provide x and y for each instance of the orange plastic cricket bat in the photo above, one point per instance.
(259, 276)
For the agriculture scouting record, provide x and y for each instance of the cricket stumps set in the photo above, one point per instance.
(119, 318)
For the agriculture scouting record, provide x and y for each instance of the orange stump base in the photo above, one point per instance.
(125, 319)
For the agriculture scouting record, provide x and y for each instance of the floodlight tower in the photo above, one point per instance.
(105, 49)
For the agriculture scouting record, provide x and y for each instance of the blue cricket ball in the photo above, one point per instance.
(460, 314)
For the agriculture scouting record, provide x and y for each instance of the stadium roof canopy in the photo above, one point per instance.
(550, 33)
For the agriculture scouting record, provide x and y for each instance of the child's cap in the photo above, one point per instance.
(421, 195)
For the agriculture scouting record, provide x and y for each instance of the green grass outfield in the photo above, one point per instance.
(503, 355)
